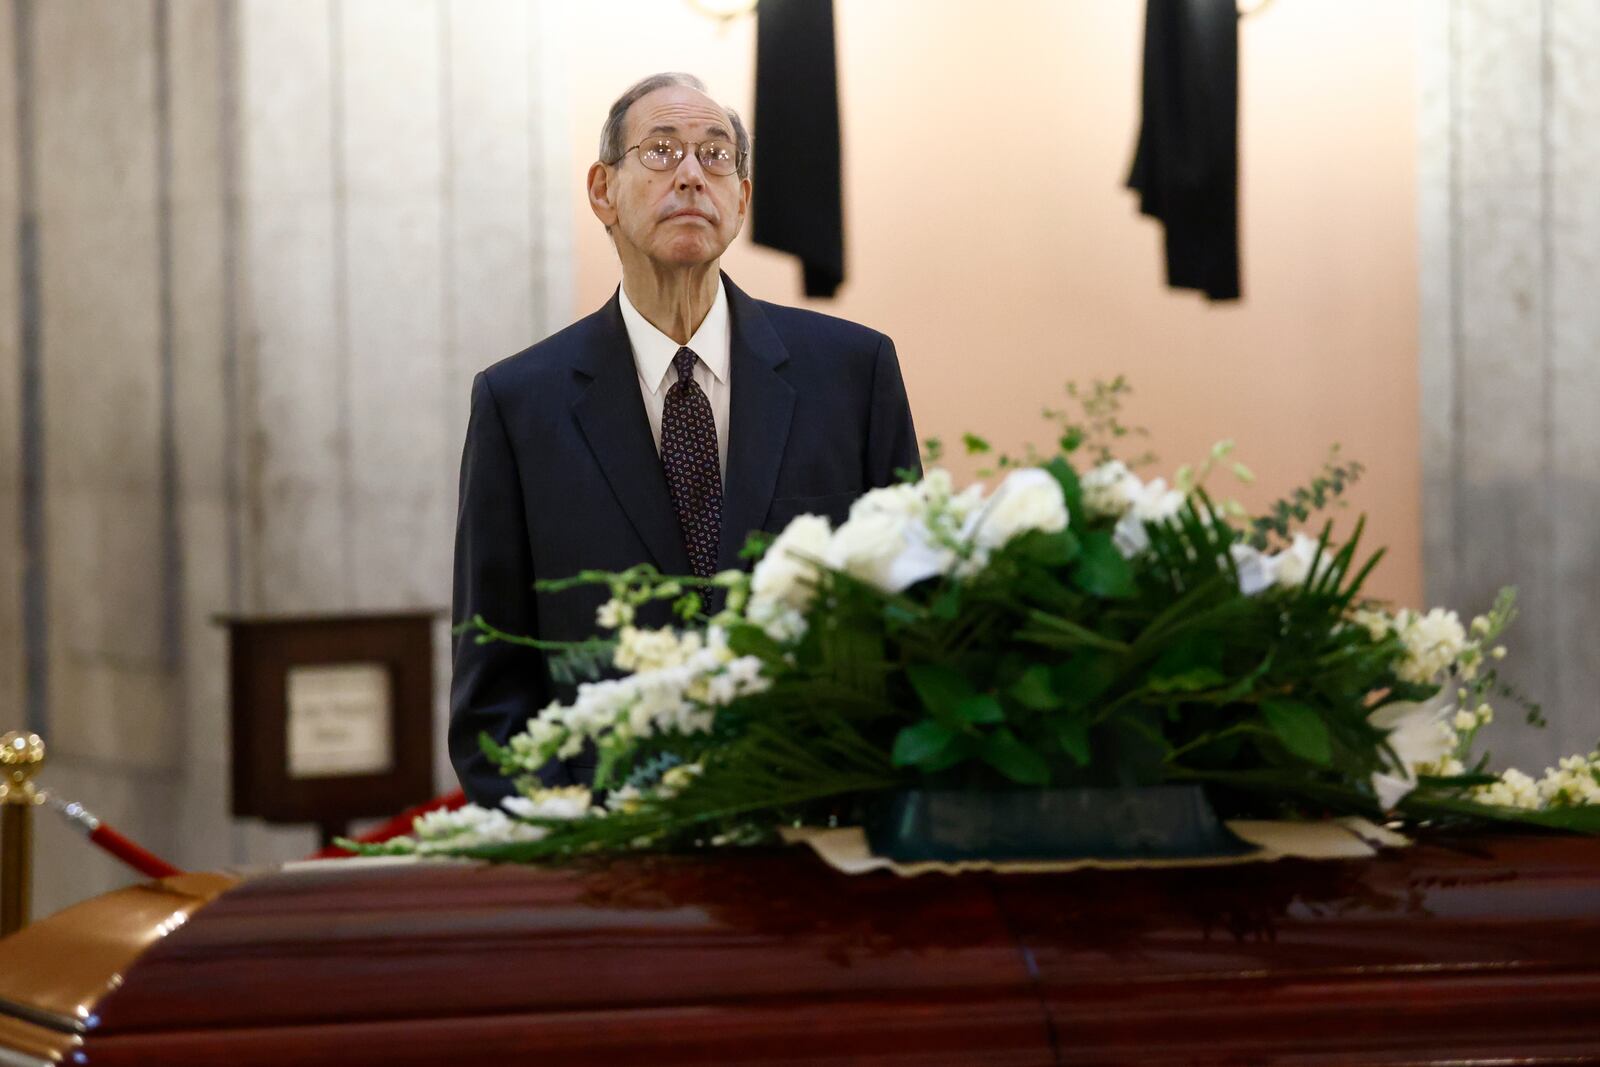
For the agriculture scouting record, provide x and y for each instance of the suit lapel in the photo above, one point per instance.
(760, 409)
(610, 412)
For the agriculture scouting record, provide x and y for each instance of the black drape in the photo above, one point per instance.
(1186, 168)
(799, 206)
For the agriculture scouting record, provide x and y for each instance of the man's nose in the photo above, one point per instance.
(690, 175)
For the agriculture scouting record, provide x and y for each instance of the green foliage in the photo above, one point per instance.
(1065, 659)
(1101, 570)
(1285, 514)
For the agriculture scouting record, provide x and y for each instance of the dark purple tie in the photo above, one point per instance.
(689, 457)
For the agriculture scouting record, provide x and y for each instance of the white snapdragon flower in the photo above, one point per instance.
(677, 779)
(648, 650)
(1571, 783)
(1433, 642)
(1110, 489)
(1378, 624)
(741, 677)
(468, 827)
(1514, 790)
(1029, 499)
(624, 800)
(566, 802)
(1420, 736)
(614, 613)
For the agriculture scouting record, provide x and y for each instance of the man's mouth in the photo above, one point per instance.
(690, 213)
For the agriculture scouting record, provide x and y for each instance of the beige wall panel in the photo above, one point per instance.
(1511, 246)
(100, 330)
(393, 167)
(94, 70)
(1436, 282)
(285, 98)
(492, 172)
(201, 415)
(556, 171)
(1573, 132)
(1501, 516)
(1499, 56)
(11, 559)
(193, 43)
(291, 351)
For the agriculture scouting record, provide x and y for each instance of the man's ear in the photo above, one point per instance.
(600, 195)
(744, 197)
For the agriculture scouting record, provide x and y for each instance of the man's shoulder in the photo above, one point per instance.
(803, 326)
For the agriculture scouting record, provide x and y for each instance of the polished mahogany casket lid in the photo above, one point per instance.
(1471, 950)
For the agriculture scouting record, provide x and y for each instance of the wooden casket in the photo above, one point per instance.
(1455, 951)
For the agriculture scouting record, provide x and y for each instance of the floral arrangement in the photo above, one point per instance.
(1078, 625)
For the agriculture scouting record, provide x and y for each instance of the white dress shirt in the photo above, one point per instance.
(652, 358)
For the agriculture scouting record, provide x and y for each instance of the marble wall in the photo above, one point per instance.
(1509, 216)
(252, 253)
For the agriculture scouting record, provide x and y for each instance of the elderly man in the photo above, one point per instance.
(664, 427)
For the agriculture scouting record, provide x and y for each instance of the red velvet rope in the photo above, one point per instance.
(140, 859)
(150, 865)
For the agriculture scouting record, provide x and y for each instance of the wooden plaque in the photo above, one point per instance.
(332, 716)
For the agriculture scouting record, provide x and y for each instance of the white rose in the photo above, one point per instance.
(784, 577)
(902, 500)
(1029, 499)
(867, 545)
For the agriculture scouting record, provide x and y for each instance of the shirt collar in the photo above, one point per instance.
(653, 350)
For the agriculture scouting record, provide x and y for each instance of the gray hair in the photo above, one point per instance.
(612, 133)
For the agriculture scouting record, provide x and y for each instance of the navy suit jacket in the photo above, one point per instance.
(560, 473)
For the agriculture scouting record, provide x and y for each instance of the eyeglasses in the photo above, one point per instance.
(665, 153)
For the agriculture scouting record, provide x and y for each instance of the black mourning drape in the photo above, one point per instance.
(1186, 168)
(799, 206)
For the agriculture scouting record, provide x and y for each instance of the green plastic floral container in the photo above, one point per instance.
(1125, 823)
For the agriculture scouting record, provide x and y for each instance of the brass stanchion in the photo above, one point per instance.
(21, 756)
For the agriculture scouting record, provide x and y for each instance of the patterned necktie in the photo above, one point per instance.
(689, 457)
